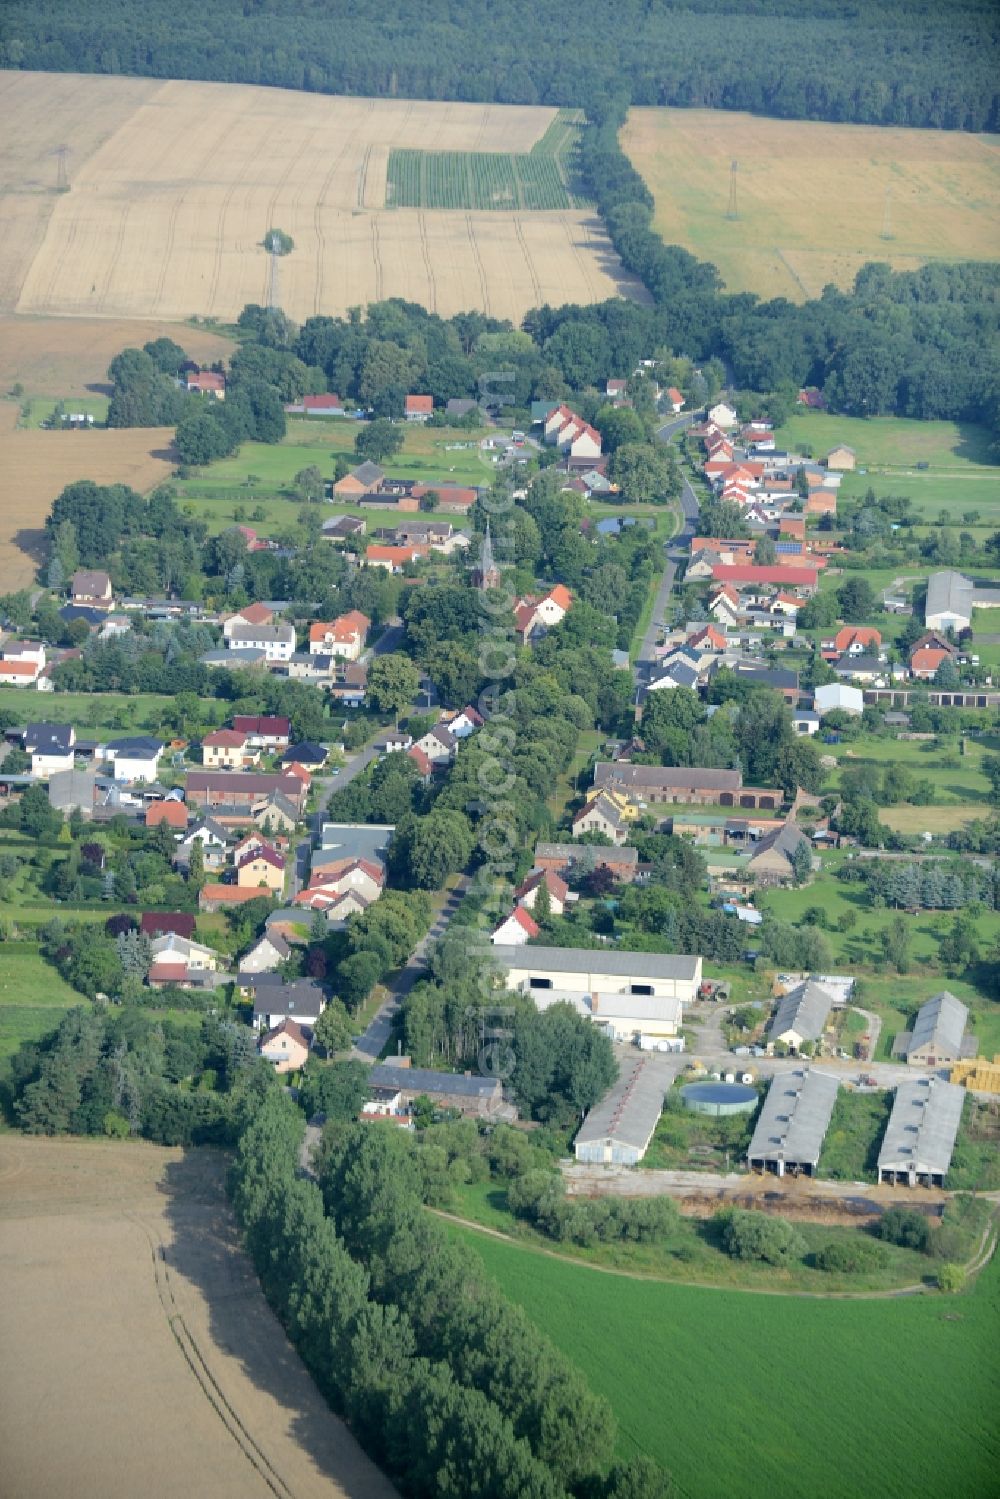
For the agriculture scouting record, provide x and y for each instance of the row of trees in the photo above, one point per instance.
(443, 1381)
(892, 65)
(898, 342)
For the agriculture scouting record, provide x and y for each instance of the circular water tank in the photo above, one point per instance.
(719, 1099)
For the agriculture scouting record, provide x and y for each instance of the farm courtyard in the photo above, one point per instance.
(181, 1381)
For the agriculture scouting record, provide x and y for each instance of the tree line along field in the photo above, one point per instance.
(811, 197)
(720, 1389)
(162, 220)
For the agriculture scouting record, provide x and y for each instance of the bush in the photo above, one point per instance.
(757, 1236)
(905, 1227)
(855, 1256)
(951, 1279)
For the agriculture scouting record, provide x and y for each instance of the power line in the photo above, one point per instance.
(62, 177)
(887, 214)
(272, 284)
(733, 210)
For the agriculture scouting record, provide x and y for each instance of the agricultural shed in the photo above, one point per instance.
(793, 1121)
(920, 1136)
(801, 1015)
(618, 1129)
(938, 1031)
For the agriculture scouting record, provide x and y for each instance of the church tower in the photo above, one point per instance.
(487, 574)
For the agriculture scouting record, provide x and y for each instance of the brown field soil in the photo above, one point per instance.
(36, 465)
(165, 221)
(65, 357)
(133, 1324)
(811, 197)
(38, 117)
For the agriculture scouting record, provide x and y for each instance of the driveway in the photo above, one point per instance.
(370, 1043)
(327, 784)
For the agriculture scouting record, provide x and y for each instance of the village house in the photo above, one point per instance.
(452, 499)
(210, 836)
(852, 640)
(207, 383)
(22, 663)
(245, 789)
(182, 962)
(286, 1047)
(516, 929)
(534, 616)
(608, 812)
(674, 399)
(343, 637)
(938, 1034)
(927, 654)
(361, 481)
(393, 558)
(841, 457)
(722, 415)
(91, 589)
(251, 616)
(394, 1085)
(439, 744)
(51, 747)
(261, 868)
(342, 527)
(274, 1000)
(262, 732)
(227, 749)
(170, 812)
(575, 860)
(218, 897)
(418, 408)
(136, 758)
(327, 404)
(527, 892)
(772, 861)
(277, 641)
(652, 785)
(265, 956)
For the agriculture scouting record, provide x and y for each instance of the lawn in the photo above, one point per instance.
(894, 444)
(40, 409)
(33, 999)
(751, 1397)
(975, 488)
(857, 1126)
(96, 715)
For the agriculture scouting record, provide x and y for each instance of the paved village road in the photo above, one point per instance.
(368, 1045)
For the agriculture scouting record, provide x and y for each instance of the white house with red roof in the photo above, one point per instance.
(534, 616)
(574, 437)
(616, 391)
(464, 723)
(207, 383)
(526, 893)
(327, 404)
(675, 399)
(516, 929)
(22, 663)
(252, 614)
(418, 408)
(344, 636)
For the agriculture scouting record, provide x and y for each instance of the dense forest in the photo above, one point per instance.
(902, 62)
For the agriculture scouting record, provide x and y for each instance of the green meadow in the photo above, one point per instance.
(749, 1396)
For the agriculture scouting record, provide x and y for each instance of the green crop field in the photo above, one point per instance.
(535, 180)
(743, 1396)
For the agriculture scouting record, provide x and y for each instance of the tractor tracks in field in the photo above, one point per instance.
(195, 1360)
(477, 260)
(536, 285)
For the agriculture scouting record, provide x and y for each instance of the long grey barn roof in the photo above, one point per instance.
(672, 777)
(794, 1118)
(920, 1135)
(803, 1009)
(629, 1111)
(425, 1080)
(940, 1022)
(948, 593)
(597, 960)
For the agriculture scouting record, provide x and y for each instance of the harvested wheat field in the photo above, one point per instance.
(36, 465)
(811, 197)
(66, 357)
(139, 1354)
(164, 218)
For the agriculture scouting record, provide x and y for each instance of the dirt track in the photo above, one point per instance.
(139, 1355)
